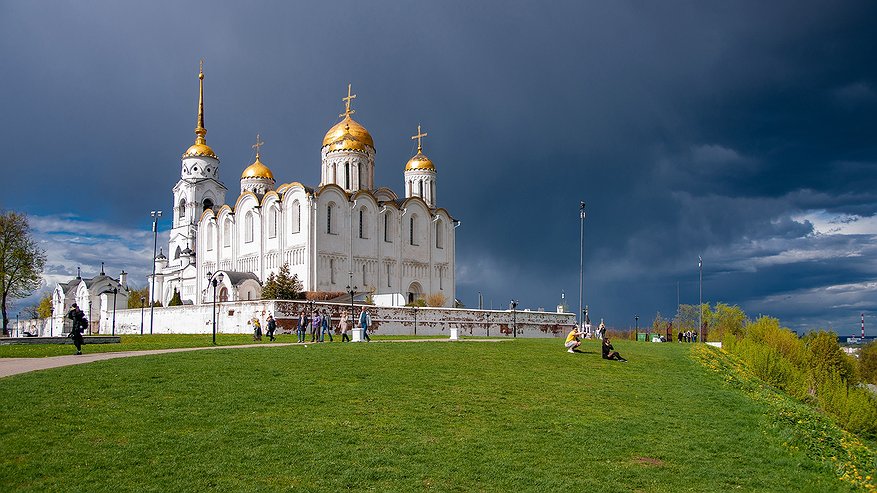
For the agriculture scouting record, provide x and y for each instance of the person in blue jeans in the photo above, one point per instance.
(302, 326)
(365, 322)
(316, 322)
(324, 327)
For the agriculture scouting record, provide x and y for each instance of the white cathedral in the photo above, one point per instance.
(346, 232)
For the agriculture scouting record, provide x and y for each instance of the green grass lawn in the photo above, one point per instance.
(511, 416)
(158, 341)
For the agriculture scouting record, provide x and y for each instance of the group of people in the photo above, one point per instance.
(688, 336)
(271, 327)
(320, 324)
(573, 341)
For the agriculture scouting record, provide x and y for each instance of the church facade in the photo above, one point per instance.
(345, 233)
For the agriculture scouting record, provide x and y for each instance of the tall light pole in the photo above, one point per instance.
(636, 321)
(214, 281)
(115, 292)
(155, 215)
(514, 305)
(142, 301)
(700, 304)
(581, 258)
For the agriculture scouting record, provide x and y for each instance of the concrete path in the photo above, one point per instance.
(14, 366)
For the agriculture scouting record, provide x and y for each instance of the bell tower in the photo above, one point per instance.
(198, 188)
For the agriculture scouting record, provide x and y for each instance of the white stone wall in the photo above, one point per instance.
(234, 318)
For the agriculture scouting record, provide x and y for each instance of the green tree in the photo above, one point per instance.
(44, 308)
(686, 318)
(134, 296)
(726, 319)
(21, 261)
(826, 357)
(659, 324)
(868, 362)
(175, 299)
(282, 286)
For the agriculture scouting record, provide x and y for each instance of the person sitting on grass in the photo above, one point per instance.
(609, 351)
(572, 340)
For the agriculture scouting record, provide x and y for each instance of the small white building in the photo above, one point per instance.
(345, 232)
(94, 296)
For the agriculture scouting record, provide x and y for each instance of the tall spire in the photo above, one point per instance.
(200, 131)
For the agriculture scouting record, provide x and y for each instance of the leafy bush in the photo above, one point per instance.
(868, 362)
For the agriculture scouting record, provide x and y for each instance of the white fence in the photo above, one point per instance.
(236, 318)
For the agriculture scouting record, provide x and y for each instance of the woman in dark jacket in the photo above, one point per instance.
(609, 351)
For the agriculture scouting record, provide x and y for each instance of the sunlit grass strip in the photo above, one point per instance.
(803, 426)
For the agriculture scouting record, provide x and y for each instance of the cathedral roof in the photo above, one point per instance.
(200, 150)
(257, 170)
(419, 162)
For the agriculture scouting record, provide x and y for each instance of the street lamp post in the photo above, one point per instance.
(581, 256)
(115, 292)
(700, 301)
(17, 324)
(142, 301)
(514, 304)
(636, 324)
(214, 281)
(51, 321)
(415, 320)
(155, 215)
(351, 291)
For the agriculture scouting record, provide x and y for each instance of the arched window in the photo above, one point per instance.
(272, 223)
(420, 188)
(248, 228)
(362, 223)
(411, 230)
(208, 204)
(210, 232)
(387, 227)
(226, 233)
(439, 234)
(296, 217)
(347, 176)
(359, 169)
(329, 215)
(182, 209)
(177, 253)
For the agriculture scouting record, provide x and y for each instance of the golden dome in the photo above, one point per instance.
(419, 161)
(257, 170)
(348, 129)
(200, 150)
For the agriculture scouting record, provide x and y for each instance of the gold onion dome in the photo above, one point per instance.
(257, 170)
(200, 150)
(348, 134)
(419, 161)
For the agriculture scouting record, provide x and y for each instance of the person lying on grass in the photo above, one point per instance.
(572, 340)
(609, 351)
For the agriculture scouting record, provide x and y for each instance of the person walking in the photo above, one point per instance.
(257, 329)
(79, 324)
(302, 326)
(272, 326)
(344, 324)
(324, 327)
(316, 321)
(365, 322)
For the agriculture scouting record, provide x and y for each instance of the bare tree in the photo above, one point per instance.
(21, 261)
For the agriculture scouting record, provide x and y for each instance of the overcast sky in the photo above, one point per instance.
(745, 132)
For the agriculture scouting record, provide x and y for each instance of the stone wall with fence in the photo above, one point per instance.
(236, 318)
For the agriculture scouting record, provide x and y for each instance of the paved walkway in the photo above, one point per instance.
(14, 366)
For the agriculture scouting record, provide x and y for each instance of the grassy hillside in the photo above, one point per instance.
(512, 416)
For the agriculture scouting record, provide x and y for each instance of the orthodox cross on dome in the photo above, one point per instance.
(419, 136)
(350, 97)
(257, 145)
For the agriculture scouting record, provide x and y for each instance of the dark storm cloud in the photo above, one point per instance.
(737, 131)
